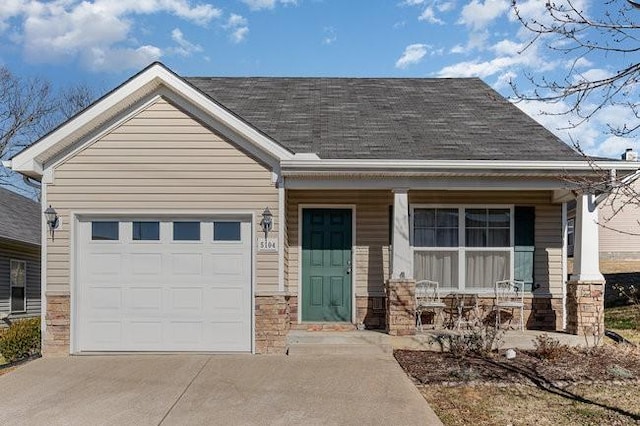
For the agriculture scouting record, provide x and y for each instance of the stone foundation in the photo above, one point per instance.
(58, 319)
(585, 307)
(400, 309)
(272, 323)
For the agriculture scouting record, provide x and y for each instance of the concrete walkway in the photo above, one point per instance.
(212, 389)
(424, 341)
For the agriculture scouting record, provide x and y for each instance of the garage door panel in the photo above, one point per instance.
(105, 298)
(187, 264)
(163, 295)
(145, 298)
(229, 265)
(145, 334)
(187, 299)
(145, 264)
(105, 333)
(104, 264)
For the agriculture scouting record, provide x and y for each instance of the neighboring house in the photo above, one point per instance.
(165, 186)
(20, 236)
(619, 230)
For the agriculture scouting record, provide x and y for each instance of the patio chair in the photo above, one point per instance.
(428, 300)
(509, 296)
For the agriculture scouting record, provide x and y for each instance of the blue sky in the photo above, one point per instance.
(103, 42)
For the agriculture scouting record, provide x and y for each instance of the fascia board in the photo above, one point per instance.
(454, 165)
(27, 161)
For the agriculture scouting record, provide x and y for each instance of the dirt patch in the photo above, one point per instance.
(571, 365)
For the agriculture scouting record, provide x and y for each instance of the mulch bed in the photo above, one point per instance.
(570, 366)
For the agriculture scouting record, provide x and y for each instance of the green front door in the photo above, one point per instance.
(326, 265)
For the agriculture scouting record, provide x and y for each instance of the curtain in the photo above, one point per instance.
(441, 266)
(484, 268)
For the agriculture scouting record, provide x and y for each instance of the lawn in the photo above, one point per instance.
(597, 404)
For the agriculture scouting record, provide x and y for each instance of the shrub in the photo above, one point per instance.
(547, 347)
(480, 341)
(21, 340)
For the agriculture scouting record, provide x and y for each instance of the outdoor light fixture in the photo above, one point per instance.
(267, 221)
(52, 219)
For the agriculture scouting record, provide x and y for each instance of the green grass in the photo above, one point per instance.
(2, 360)
(622, 318)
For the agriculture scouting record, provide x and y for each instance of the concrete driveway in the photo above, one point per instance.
(212, 389)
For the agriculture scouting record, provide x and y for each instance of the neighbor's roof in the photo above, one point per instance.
(387, 118)
(20, 218)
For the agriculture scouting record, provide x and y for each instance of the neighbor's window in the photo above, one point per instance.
(186, 231)
(18, 285)
(104, 231)
(462, 247)
(146, 231)
(226, 231)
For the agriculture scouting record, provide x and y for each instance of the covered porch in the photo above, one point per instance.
(464, 237)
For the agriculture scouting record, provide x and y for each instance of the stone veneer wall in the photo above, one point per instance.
(585, 307)
(401, 303)
(273, 320)
(58, 319)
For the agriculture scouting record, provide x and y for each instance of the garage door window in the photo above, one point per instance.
(186, 231)
(226, 231)
(146, 231)
(104, 231)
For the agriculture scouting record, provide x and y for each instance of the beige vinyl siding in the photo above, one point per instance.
(161, 160)
(372, 230)
(619, 232)
(372, 234)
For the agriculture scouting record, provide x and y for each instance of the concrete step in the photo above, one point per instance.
(324, 326)
(301, 342)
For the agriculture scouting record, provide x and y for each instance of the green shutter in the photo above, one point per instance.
(524, 250)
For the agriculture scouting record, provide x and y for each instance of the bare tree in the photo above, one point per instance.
(29, 108)
(567, 29)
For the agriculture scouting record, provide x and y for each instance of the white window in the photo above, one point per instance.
(571, 232)
(463, 247)
(18, 284)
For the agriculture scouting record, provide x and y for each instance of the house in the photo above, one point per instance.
(20, 220)
(619, 231)
(214, 214)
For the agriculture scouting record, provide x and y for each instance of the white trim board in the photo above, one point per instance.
(30, 161)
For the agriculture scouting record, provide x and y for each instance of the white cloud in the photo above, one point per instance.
(477, 15)
(108, 59)
(428, 15)
(238, 27)
(412, 55)
(97, 33)
(614, 146)
(330, 35)
(268, 4)
(412, 2)
(446, 6)
(581, 62)
(185, 47)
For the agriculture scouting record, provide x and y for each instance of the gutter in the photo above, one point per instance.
(290, 167)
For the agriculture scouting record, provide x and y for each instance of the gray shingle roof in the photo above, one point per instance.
(387, 118)
(19, 218)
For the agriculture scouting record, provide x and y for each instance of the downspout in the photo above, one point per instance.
(564, 265)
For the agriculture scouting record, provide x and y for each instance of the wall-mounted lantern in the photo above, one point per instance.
(52, 220)
(267, 222)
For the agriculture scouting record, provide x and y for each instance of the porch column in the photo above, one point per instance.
(401, 288)
(401, 259)
(585, 289)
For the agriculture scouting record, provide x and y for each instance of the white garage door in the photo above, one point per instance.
(163, 285)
